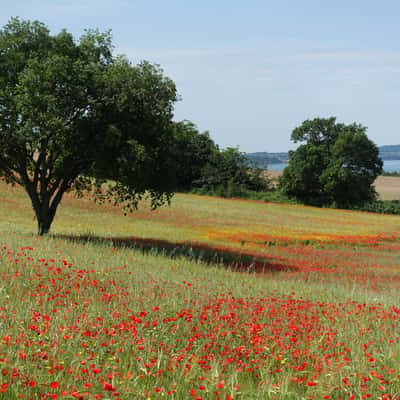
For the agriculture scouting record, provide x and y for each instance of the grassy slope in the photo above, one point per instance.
(316, 318)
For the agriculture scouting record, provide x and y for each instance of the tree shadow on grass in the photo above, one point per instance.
(199, 252)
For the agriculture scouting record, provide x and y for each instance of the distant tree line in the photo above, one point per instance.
(205, 168)
(335, 165)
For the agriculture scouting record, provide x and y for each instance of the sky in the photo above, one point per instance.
(250, 71)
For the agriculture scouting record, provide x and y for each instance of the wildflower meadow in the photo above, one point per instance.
(206, 299)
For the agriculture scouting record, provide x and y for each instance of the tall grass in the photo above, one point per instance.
(112, 307)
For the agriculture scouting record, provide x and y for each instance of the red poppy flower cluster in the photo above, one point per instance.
(68, 331)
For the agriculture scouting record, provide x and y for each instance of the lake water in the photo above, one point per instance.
(388, 166)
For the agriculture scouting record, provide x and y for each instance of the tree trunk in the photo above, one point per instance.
(44, 225)
(45, 205)
(43, 211)
(44, 216)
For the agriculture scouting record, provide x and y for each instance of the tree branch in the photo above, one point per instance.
(38, 163)
(65, 185)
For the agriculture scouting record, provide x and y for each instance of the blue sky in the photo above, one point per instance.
(250, 71)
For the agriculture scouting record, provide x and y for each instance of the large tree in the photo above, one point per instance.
(193, 151)
(335, 164)
(74, 116)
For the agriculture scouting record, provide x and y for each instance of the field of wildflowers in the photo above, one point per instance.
(206, 299)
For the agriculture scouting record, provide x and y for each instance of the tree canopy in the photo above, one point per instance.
(73, 115)
(193, 151)
(335, 164)
(202, 166)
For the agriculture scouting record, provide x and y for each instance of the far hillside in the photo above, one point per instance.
(390, 152)
(263, 159)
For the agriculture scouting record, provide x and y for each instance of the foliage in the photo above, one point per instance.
(388, 173)
(228, 174)
(193, 151)
(335, 164)
(382, 207)
(69, 110)
(204, 168)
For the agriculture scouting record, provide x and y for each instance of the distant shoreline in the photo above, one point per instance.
(388, 166)
(388, 187)
(390, 155)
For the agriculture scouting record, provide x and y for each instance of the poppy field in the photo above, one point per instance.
(206, 299)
